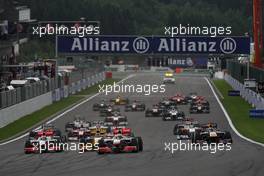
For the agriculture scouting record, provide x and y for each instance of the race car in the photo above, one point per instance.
(172, 113)
(212, 135)
(116, 120)
(77, 123)
(165, 103)
(179, 99)
(77, 134)
(45, 130)
(125, 131)
(192, 97)
(43, 145)
(135, 106)
(168, 78)
(98, 128)
(120, 144)
(200, 107)
(120, 101)
(99, 106)
(186, 128)
(110, 110)
(156, 111)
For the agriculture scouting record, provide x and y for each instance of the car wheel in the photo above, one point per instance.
(140, 144)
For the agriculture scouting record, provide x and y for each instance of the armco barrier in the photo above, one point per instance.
(250, 96)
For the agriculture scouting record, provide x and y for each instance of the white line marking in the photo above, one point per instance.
(229, 119)
(65, 112)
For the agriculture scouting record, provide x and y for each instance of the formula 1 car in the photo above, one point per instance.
(168, 78)
(165, 103)
(192, 97)
(98, 128)
(125, 131)
(120, 144)
(135, 106)
(179, 99)
(172, 113)
(77, 134)
(200, 107)
(211, 135)
(99, 106)
(45, 130)
(109, 111)
(116, 120)
(120, 101)
(43, 145)
(156, 111)
(77, 123)
(185, 129)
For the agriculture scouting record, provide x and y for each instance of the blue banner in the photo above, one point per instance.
(256, 113)
(233, 93)
(152, 45)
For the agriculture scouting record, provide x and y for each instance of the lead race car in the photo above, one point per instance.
(172, 113)
(120, 101)
(120, 144)
(135, 106)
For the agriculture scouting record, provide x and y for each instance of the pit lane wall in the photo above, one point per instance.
(13, 113)
(250, 96)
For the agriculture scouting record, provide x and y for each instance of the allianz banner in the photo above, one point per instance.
(152, 45)
(182, 62)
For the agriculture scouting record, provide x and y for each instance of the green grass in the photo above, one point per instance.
(95, 88)
(238, 110)
(30, 120)
(37, 116)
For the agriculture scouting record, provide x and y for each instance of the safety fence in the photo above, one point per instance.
(78, 86)
(55, 85)
(239, 71)
(250, 96)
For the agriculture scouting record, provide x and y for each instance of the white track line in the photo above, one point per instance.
(229, 119)
(65, 112)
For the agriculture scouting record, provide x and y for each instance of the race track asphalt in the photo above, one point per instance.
(244, 159)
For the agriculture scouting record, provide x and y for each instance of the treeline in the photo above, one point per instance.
(147, 16)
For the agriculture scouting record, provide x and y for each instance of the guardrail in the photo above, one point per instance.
(250, 96)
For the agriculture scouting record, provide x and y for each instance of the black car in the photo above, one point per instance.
(200, 107)
(156, 111)
(135, 106)
(172, 113)
(100, 106)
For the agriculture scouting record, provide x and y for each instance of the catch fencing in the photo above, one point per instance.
(18, 106)
(78, 86)
(54, 85)
(249, 95)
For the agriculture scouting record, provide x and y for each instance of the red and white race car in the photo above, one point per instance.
(179, 99)
(120, 144)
